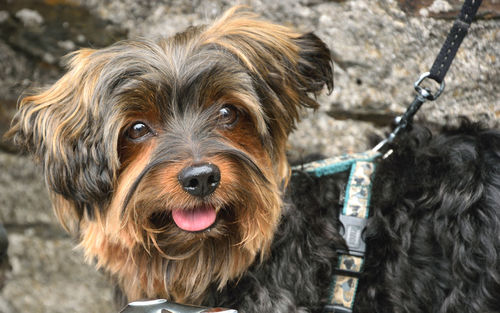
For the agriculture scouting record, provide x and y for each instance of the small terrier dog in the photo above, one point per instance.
(168, 159)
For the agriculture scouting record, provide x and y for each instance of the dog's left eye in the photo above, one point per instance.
(138, 130)
(228, 116)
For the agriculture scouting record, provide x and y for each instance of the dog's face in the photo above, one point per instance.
(170, 155)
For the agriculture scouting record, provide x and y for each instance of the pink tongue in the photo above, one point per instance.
(196, 219)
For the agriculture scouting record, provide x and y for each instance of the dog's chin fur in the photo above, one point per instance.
(117, 131)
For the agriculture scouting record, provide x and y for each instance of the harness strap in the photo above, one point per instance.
(353, 219)
(335, 164)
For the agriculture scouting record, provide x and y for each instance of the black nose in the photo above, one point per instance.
(200, 180)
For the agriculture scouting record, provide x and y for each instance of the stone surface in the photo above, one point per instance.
(48, 30)
(46, 273)
(379, 50)
(448, 9)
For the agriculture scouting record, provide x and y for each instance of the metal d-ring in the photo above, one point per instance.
(424, 92)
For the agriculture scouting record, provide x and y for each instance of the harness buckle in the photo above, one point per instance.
(352, 230)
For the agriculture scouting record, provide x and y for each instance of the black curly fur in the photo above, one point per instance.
(433, 237)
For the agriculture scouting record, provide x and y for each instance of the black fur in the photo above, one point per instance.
(433, 235)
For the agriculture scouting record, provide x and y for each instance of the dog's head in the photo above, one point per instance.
(169, 156)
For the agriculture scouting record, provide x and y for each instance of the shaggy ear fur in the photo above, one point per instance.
(63, 128)
(288, 67)
(315, 63)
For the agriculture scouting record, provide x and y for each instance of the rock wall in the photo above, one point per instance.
(379, 50)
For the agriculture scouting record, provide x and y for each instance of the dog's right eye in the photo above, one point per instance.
(139, 131)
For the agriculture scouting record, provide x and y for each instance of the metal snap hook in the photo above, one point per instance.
(426, 93)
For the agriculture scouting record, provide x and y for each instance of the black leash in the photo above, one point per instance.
(438, 69)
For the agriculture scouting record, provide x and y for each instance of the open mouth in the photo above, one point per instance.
(196, 219)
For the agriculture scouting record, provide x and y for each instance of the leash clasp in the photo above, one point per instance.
(423, 94)
(426, 93)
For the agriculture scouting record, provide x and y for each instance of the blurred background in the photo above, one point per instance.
(379, 50)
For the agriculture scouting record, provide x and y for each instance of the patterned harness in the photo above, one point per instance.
(353, 218)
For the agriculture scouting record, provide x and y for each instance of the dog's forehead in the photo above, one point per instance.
(176, 70)
(160, 78)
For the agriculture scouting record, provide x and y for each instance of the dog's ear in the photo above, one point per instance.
(289, 68)
(315, 64)
(63, 129)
